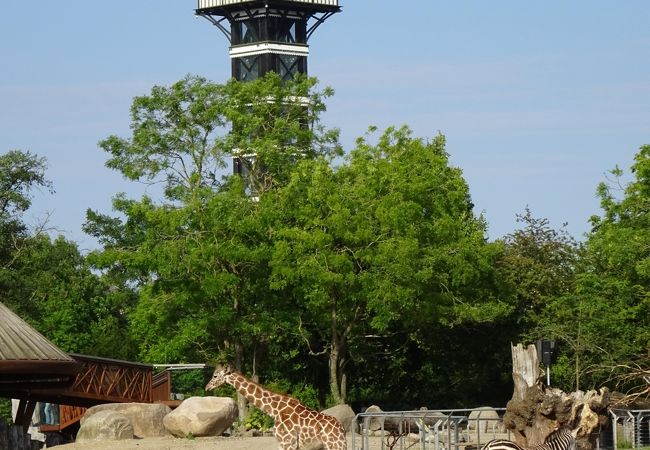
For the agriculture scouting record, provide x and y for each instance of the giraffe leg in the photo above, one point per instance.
(285, 438)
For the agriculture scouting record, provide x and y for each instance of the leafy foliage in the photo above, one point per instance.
(20, 174)
(258, 420)
(373, 244)
(366, 278)
(47, 281)
(614, 287)
(5, 410)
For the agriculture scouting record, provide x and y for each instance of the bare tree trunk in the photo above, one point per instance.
(536, 410)
(525, 369)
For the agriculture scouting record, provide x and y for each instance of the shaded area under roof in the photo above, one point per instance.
(28, 359)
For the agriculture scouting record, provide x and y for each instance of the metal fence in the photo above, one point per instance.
(457, 429)
(629, 429)
(470, 429)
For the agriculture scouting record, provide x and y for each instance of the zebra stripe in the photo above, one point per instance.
(501, 444)
(561, 439)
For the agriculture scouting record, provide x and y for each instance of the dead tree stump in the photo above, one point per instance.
(535, 410)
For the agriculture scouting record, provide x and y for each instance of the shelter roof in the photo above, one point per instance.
(27, 358)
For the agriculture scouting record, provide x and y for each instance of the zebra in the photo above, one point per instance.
(501, 444)
(561, 439)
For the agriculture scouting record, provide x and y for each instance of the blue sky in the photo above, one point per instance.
(538, 100)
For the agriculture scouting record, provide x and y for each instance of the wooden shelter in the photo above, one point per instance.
(33, 369)
(29, 362)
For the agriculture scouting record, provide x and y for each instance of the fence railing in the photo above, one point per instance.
(218, 3)
(630, 428)
(457, 429)
(465, 429)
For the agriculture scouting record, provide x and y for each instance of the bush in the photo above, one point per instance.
(257, 420)
(5, 410)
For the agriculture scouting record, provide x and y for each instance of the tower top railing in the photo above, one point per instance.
(202, 4)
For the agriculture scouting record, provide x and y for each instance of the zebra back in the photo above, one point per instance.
(561, 439)
(501, 444)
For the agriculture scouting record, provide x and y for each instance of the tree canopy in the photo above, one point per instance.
(362, 276)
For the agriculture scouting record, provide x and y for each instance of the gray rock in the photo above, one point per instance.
(146, 418)
(482, 419)
(105, 425)
(202, 416)
(342, 413)
(374, 423)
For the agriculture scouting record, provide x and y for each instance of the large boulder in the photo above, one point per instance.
(105, 425)
(373, 423)
(342, 413)
(201, 416)
(483, 419)
(146, 418)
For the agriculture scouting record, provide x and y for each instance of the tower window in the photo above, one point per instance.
(249, 68)
(286, 31)
(287, 66)
(249, 32)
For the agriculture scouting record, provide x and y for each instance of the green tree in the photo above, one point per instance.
(328, 257)
(198, 255)
(602, 320)
(537, 266)
(385, 240)
(47, 281)
(183, 133)
(64, 300)
(20, 174)
(614, 285)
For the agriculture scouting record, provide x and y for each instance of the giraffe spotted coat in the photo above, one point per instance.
(295, 424)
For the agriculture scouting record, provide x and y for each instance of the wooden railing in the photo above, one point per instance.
(104, 380)
(109, 380)
(69, 415)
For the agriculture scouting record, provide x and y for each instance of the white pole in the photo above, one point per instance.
(548, 376)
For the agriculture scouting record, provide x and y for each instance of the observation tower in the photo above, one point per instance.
(267, 35)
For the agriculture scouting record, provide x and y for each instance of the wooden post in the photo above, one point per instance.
(25, 412)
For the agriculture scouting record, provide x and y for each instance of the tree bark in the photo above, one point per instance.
(336, 378)
(535, 410)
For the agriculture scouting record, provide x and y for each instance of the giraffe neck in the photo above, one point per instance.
(268, 401)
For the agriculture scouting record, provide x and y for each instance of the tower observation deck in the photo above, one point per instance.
(267, 35)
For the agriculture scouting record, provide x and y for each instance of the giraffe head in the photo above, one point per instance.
(219, 377)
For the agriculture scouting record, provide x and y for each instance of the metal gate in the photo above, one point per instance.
(629, 429)
(458, 429)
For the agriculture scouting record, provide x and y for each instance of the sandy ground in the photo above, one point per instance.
(210, 443)
(170, 443)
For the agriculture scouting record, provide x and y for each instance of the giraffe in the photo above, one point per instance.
(295, 424)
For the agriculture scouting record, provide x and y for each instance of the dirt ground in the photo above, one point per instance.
(209, 443)
(171, 443)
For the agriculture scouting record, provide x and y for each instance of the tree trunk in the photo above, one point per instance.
(337, 379)
(536, 410)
